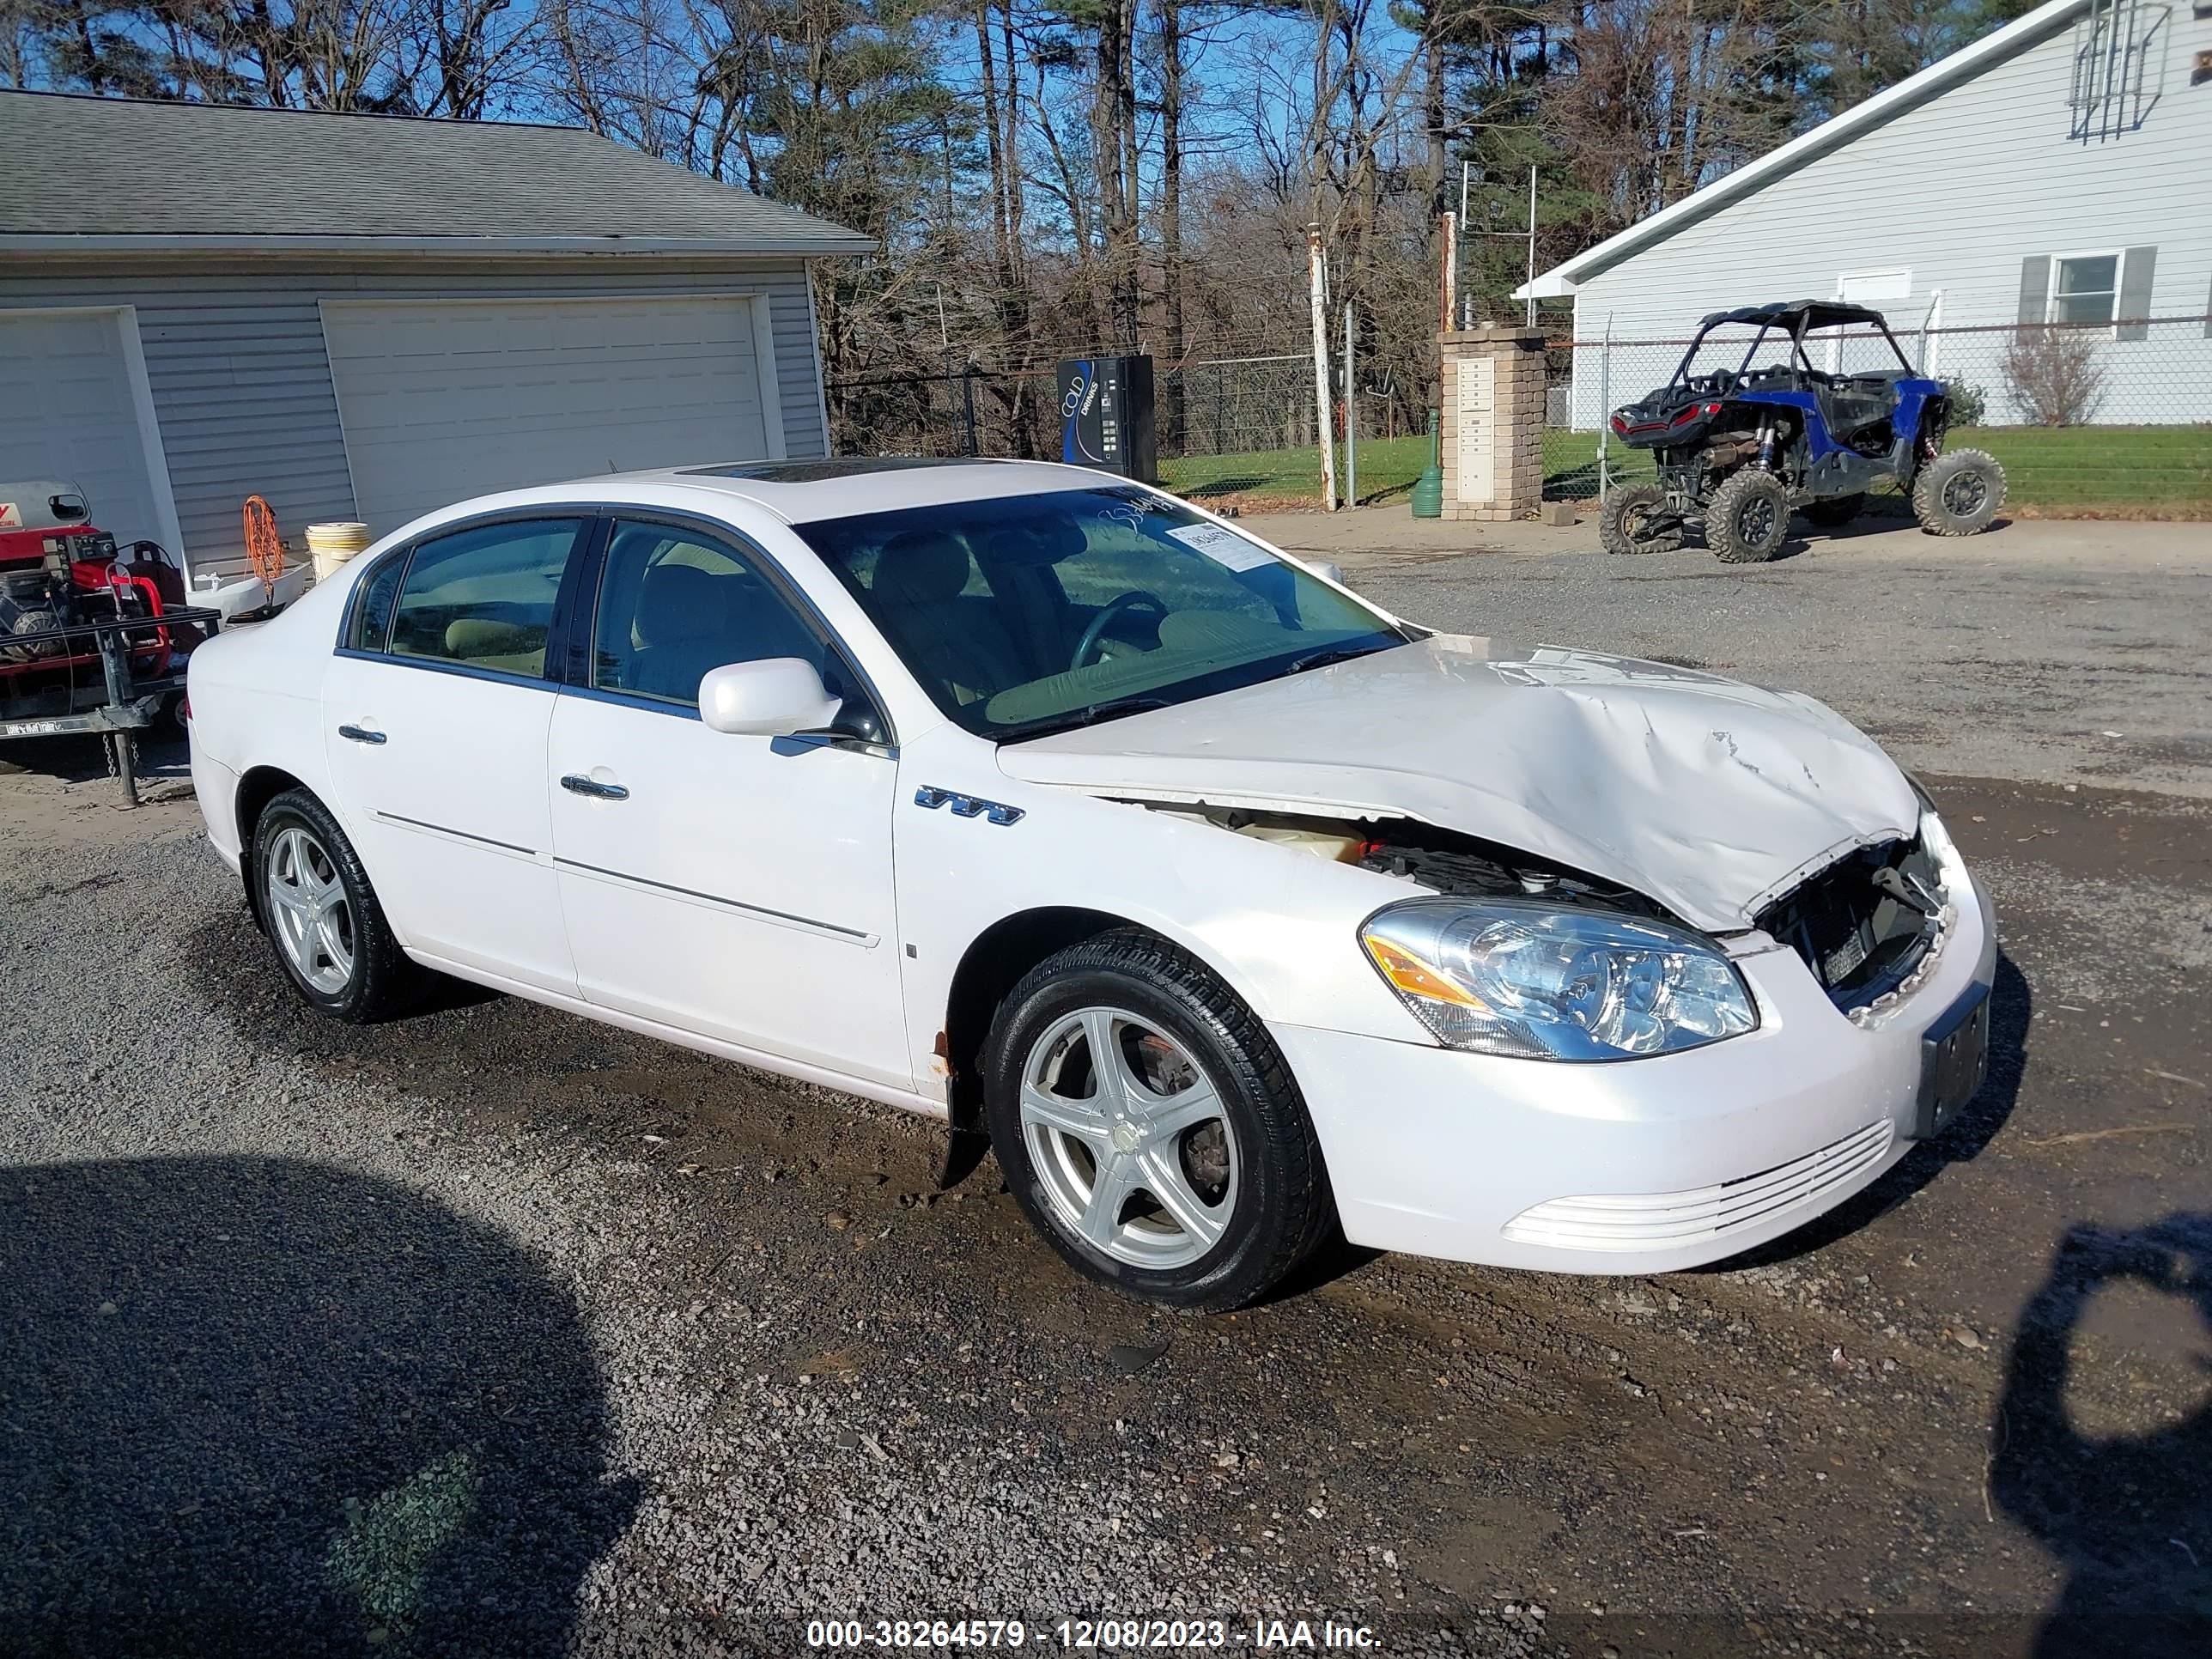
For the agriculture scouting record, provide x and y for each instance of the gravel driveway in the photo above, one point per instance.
(491, 1331)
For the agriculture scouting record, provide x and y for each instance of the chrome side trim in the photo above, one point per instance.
(688, 711)
(460, 670)
(457, 835)
(639, 700)
(784, 917)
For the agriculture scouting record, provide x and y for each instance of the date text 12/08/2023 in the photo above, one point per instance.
(1091, 1635)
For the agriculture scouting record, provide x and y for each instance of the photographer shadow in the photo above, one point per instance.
(2129, 1518)
(261, 1406)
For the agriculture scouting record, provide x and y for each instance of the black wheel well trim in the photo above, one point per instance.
(994, 962)
(256, 787)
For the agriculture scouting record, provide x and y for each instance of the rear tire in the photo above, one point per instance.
(1623, 519)
(1835, 511)
(1748, 519)
(1186, 1171)
(314, 901)
(1958, 493)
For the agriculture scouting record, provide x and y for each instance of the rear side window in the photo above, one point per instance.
(372, 608)
(483, 597)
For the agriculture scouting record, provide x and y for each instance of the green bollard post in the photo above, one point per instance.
(1429, 487)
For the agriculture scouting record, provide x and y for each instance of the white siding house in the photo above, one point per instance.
(2057, 171)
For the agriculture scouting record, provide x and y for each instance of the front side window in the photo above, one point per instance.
(2084, 290)
(483, 597)
(674, 603)
(1025, 613)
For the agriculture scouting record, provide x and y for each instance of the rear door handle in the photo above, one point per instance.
(360, 734)
(577, 784)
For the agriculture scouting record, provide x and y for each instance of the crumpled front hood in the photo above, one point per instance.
(1712, 797)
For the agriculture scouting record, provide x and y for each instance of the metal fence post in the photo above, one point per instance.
(1604, 409)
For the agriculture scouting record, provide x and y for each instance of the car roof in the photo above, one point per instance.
(1816, 314)
(807, 491)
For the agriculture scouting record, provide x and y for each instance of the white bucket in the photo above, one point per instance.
(332, 545)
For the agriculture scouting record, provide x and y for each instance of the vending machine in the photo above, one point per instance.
(1106, 415)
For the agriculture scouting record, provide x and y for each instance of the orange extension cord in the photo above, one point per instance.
(265, 550)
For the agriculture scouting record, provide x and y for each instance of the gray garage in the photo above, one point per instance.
(366, 317)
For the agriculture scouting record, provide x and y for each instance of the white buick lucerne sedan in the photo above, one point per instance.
(1233, 908)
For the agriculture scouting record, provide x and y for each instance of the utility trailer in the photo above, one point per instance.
(91, 639)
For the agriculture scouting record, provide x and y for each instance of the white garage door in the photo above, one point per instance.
(444, 400)
(68, 411)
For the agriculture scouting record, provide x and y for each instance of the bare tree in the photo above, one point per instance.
(2054, 373)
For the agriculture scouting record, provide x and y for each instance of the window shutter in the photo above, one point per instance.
(2034, 289)
(2135, 293)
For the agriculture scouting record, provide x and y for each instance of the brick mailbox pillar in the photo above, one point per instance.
(1493, 422)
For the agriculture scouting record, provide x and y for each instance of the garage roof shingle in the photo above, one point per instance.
(117, 167)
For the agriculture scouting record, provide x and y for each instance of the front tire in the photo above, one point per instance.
(322, 916)
(1183, 1169)
(1748, 519)
(1958, 493)
(1625, 521)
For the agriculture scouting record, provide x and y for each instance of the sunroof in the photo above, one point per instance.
(798, 472)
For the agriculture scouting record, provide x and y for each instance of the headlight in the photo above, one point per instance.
(1535, 982)
(1942, 851)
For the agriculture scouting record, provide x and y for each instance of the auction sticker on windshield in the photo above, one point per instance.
(1224, 547)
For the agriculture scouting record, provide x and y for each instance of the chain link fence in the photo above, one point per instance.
(2115, 418)
(1225, 406)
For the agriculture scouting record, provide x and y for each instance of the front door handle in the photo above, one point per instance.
(577, 784)
(360, 734)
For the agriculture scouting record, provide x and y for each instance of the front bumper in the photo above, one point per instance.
(1638, 1166)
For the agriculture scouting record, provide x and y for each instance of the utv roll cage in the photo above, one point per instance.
(1796, 319)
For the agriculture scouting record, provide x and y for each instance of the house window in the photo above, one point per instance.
(2085, 290)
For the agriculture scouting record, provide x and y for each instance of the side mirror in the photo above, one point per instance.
(775, 697)
(1328, 570)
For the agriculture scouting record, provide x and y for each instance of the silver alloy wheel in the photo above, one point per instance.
(1129, 1138)
(308, 908)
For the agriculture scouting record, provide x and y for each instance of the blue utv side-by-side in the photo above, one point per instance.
(1740, 449)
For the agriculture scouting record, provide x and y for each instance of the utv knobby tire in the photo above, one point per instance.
(1836, 511)
(1958, 493)
(1624, 513)
(1748, 519)
(1284, 1208)
(383, 982)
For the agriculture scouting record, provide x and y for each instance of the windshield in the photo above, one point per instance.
(1028, 613)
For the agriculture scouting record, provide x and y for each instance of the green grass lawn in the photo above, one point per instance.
(2155, 468)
